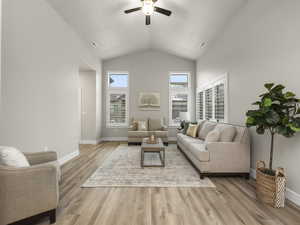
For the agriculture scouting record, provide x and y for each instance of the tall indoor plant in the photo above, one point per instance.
(278, 113)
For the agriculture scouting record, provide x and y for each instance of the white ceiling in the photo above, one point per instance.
(104, 22)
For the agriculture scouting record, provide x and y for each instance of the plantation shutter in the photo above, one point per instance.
(199, 105)
(117, 109)
(219, 102)
(209, 103)
(179, 104)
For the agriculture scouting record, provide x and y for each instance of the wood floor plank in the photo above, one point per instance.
(232, 202)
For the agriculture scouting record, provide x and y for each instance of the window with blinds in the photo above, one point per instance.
(219, 102)
(117, 100)
(178, 96)
(211, 101)
(209, 104)
(117, 109)
(199, 106)
(179, 104)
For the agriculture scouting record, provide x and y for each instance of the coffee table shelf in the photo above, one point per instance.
(153, 148)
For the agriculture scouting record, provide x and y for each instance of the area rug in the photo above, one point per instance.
(122, 168)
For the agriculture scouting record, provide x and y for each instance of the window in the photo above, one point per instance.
(212, 100)
(209, 103)
(118, 80)
(179, 81)
(179, 96)
(219, 102)
(117, 100)
(199, 105)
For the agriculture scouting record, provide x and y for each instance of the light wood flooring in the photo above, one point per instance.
(232, 202)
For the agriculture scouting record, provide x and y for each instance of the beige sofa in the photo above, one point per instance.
(30, 191)
(219, 158)
(156, 127)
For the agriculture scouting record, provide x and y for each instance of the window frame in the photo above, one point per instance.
(211, 85)
(179, 90)
(117, 90)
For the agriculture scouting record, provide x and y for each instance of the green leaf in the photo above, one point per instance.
(272, 117)
(254, 113)
(269, 86)
(289, 95)
(260, 130)
(256, 103)
(296, 129)
(250, 121)
(277, 89)
(267, 102)
(285, 131)
(285, 120)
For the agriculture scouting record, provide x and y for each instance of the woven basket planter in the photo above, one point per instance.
(270, 189)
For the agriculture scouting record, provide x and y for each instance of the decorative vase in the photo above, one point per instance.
(270, 189)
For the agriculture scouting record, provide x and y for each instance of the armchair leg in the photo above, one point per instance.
(52, 216)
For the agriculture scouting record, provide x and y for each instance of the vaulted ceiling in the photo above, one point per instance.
(192, 23)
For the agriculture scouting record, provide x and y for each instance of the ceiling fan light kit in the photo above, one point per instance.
(148, 9)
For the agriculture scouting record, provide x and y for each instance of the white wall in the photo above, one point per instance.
(149, 72)
(0, 54)
(260, 45)
(41, 58)
(89, 97)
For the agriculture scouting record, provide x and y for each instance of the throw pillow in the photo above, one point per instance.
(213, 136)
(142, 126)
(227, 134)
(10, 156)
(155, 124)
(134, 125)
(185, 127)
(205, 129)
(192, 130)
(200, 124)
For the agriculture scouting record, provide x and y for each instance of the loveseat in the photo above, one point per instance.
(227, 155)
(153, 126)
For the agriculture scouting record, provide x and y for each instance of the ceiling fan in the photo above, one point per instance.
(148, 9)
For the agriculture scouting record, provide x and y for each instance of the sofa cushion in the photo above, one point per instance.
(138, 134)
(142, 125)
(213, 136)
(199, 151)
(192, 130)
(155, 124)
(227, 132)
(205, 129)
(10, 156)
(200, 124)
(161, 134)
(184, 139)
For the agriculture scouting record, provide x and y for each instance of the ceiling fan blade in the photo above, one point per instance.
(148, 20)
(132, 10)
(162, 11)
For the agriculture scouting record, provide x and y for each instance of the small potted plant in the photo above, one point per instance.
(278, 113)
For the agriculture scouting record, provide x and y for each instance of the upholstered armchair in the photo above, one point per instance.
(30, 191)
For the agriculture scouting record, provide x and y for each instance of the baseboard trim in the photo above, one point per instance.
(89, 142)
(290, 194)
(68, 157)
(114, 139)
(126, 139)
